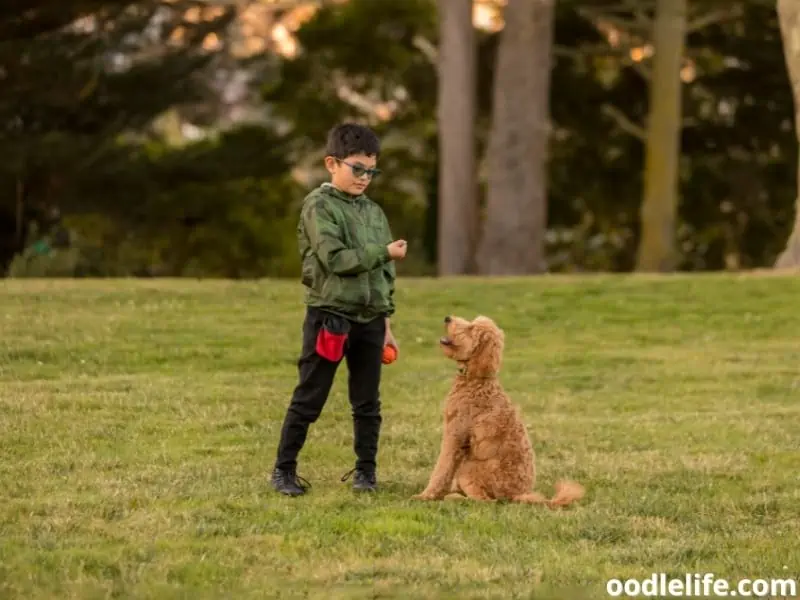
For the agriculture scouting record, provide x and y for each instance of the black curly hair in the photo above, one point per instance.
(348, 139)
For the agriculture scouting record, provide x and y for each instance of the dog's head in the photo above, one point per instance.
(477, 345)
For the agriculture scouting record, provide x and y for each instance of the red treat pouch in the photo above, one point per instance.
(332, 338)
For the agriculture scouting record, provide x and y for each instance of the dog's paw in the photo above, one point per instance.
(423, 496)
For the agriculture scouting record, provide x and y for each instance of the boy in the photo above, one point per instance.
(349, 276)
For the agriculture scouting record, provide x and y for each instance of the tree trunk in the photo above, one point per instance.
(456, 112)
(516, 219)
(660, 203)
(789, 17)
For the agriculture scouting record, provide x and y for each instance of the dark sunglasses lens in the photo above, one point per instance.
(360, 171)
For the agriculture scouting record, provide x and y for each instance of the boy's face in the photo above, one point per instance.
(353, 174)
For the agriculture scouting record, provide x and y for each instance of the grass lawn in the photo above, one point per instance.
(139, 420)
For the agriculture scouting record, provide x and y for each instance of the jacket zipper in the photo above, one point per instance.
(368, 291)
(353, 206)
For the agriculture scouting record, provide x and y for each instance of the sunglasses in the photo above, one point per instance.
(359, 171)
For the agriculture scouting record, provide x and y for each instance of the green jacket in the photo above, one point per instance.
(346, 267)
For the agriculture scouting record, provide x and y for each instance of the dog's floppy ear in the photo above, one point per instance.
(487, 354)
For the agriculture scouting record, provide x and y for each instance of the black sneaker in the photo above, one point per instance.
(364, 481)
(288, 483)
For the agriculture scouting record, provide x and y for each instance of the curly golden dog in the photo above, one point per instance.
(485, 451)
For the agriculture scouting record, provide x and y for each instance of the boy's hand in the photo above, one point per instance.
(397, 249)
(388, 339)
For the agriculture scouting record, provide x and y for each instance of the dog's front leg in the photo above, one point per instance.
(451, 454)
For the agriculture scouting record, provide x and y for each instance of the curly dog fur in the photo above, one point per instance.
(485, 451)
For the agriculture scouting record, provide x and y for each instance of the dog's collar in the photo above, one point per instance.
(462, 372)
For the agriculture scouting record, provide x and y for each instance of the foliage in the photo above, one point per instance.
(381, 66)
(740, 156)
(738, 152)
(380, 63)
(78, 147)
(75, 76)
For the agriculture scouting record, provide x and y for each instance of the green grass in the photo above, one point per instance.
(139, 420)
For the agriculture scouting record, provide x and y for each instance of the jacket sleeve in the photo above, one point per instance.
(392, 272)
(392, 305)
(325, 237)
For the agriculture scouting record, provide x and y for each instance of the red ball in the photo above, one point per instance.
(389, 355)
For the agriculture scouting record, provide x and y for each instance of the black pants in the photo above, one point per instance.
(363, 355)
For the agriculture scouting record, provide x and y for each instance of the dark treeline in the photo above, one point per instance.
(178, 137)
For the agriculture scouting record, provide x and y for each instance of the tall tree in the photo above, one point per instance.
(516, 219)
(789, 18)
(456, 113)
(662, 158)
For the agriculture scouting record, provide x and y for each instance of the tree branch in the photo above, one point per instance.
(624, 122)
(627, 25)
(625, 6)
(714, 17)
(427, 48)
(587, 50)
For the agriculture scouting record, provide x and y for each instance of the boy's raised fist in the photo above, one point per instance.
(397, 249)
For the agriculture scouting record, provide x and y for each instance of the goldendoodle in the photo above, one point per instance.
(485, 452)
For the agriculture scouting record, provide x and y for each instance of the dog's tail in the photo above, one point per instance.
(567, 492)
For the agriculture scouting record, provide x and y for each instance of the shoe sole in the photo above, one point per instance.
(286, 493)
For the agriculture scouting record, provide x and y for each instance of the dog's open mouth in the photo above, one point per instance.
(445, 341)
